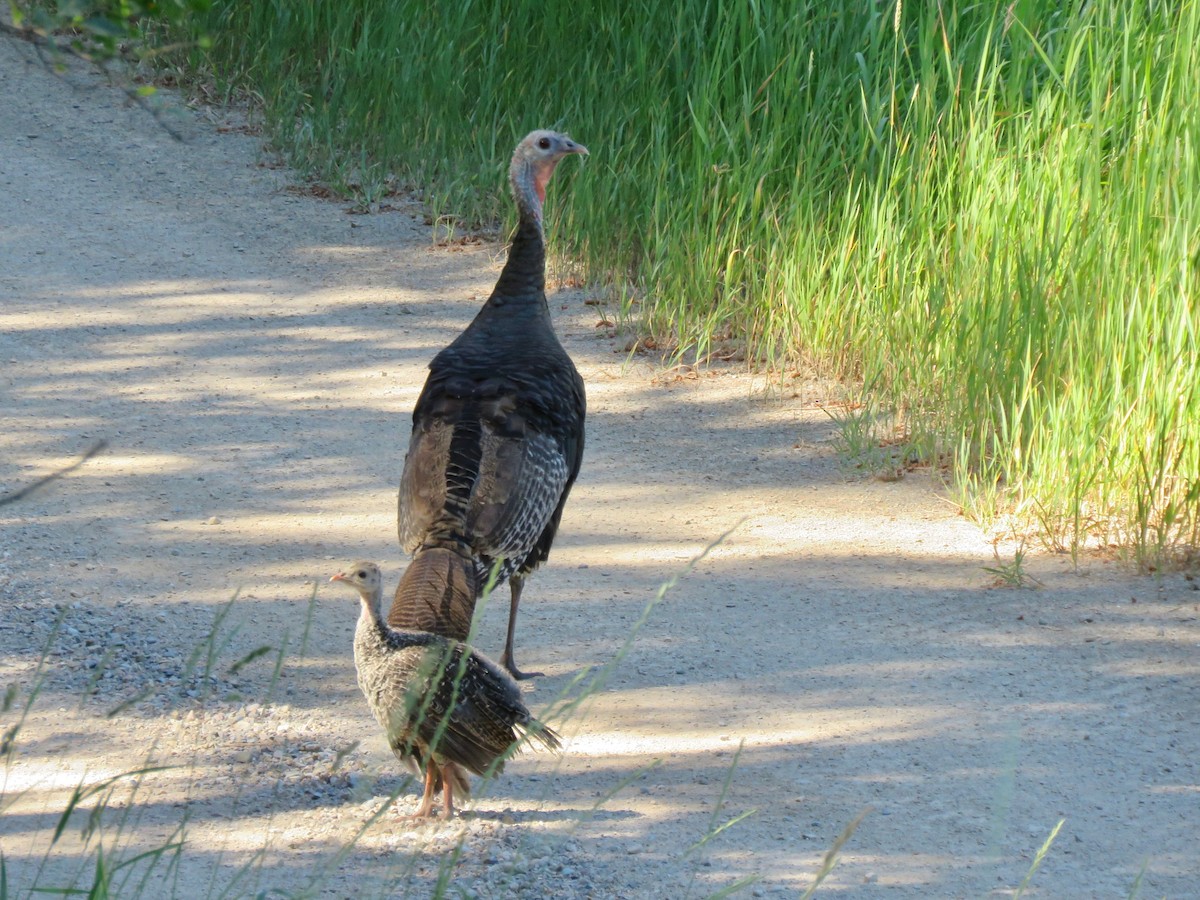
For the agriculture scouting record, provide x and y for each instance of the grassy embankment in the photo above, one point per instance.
(987, 214)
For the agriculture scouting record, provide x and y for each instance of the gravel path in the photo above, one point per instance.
(251, 354)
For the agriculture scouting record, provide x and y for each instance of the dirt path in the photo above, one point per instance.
(251, 356)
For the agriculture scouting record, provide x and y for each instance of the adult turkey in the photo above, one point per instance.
(444, 707)
(497, 433)
(437, 593)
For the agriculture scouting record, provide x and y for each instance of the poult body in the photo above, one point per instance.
(445, 709)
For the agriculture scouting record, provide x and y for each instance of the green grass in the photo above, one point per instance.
(988, 214)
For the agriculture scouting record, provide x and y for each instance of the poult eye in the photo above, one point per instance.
(544, 143)
(362, 573)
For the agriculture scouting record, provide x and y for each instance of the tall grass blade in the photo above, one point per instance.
(740, 885)
(1037, 859)
(831, 855)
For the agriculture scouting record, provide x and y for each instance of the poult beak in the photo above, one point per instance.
(340, 576)
(574, 147)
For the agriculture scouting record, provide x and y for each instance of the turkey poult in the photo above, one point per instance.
(444, 707)
(497, 433)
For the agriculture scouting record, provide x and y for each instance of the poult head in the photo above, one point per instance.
(534, 160)
(363, 576)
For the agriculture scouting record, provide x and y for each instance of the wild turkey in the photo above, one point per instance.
(443, 706)
(497, 433)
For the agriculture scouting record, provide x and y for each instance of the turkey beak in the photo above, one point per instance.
(340, 576)
(575, 147)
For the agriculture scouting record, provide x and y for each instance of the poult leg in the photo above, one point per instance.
(515, 585)
(425, 810)
(447, 796)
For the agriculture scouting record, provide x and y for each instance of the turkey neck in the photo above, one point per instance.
(523, 279)
(372, 633)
